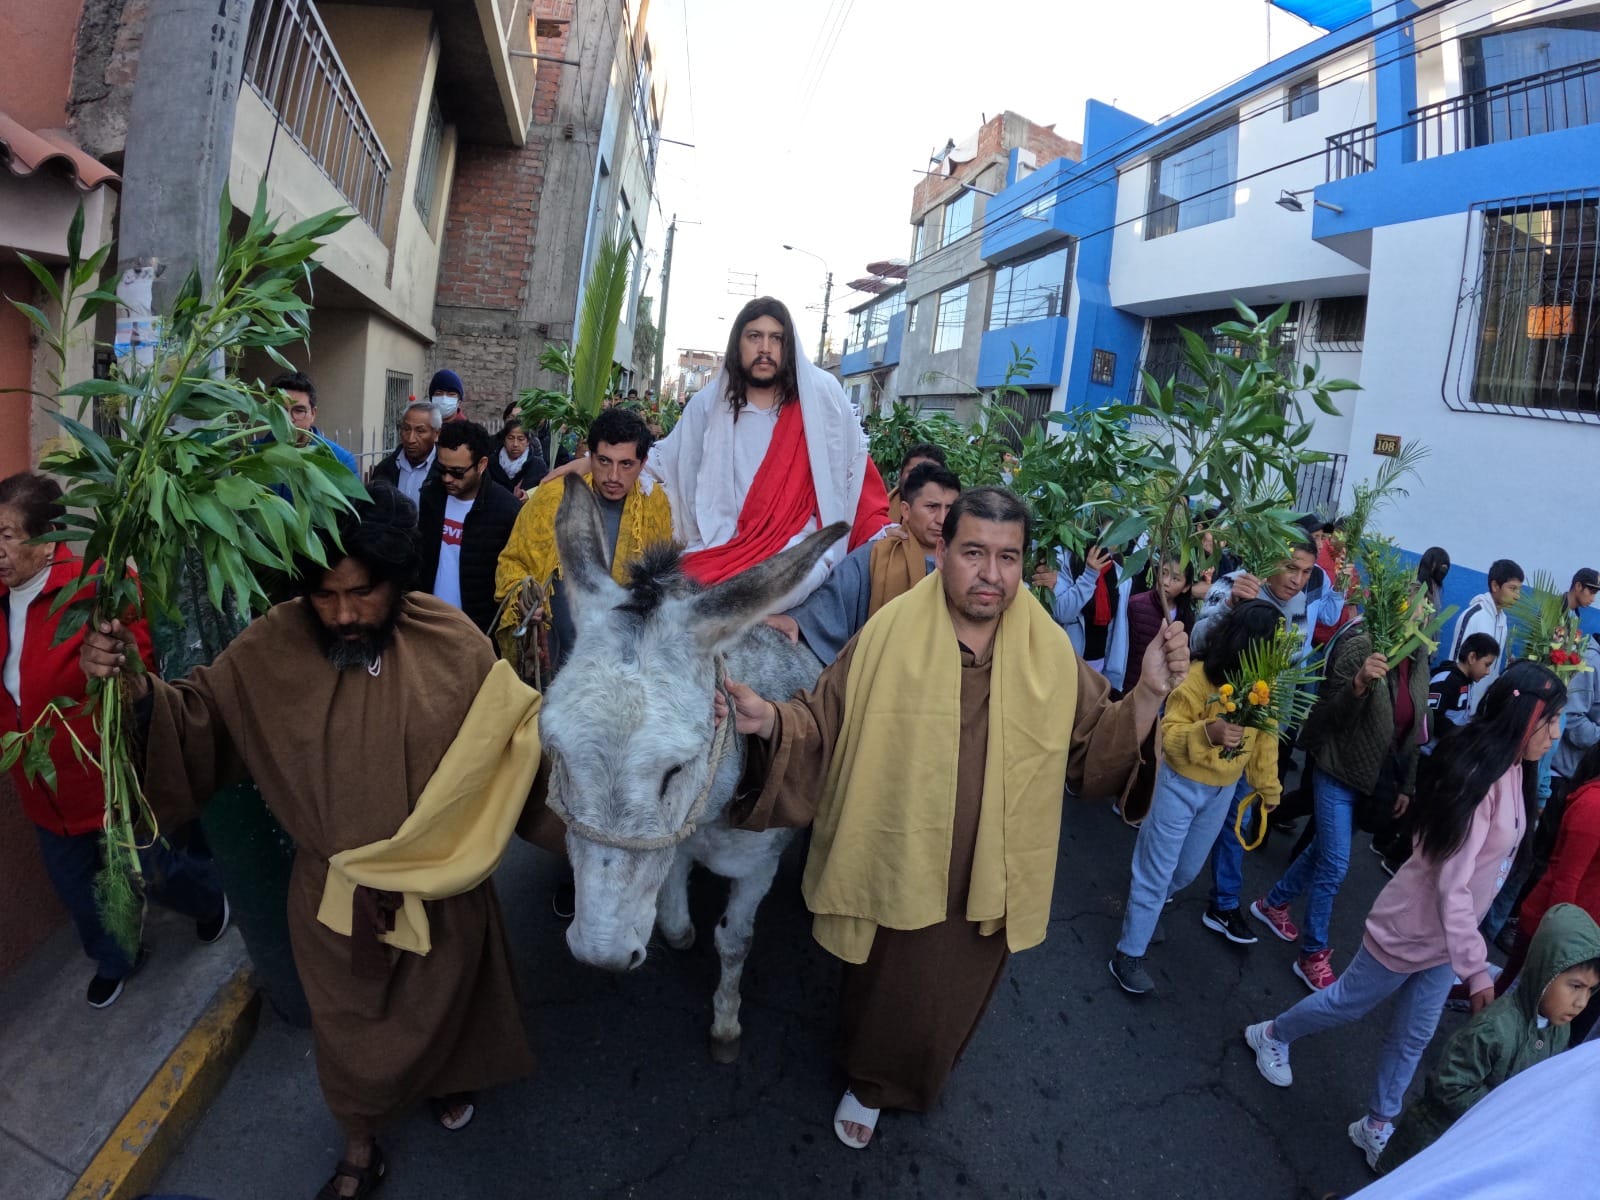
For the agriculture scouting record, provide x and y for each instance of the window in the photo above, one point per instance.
(1031, 290)
(427, 184)
(1193, 186)
(1538, 336)
(917, 231)
(1341, 323)
(911, 315)
(1302, 99)
(876, 330)
(958, 217)
(950, 322)
(1543, 74)
(858, 331)
(1103, 367)
(623, 228)
(396, 395)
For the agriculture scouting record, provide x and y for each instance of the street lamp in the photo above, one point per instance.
(827, 298)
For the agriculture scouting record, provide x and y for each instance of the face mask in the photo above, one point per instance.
(446, 405)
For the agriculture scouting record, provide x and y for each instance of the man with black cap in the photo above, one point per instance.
(1585, 586)
(446, 392)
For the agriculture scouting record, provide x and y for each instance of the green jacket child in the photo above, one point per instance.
(1522, 1028)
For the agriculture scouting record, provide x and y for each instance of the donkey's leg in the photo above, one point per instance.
(733, 936)
(672, 902)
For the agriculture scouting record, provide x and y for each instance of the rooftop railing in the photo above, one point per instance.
(1566, 98)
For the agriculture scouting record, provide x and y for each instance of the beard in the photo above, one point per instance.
(347, 647)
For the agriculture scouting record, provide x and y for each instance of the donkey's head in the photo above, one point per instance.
(628, 722)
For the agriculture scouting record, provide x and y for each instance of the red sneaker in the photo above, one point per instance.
(1314, 971)
(1275, 919)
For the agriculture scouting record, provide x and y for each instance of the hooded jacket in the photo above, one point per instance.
(1501, 1041)
(1483, 615)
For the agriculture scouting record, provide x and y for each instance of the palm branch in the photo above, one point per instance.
(603, 297)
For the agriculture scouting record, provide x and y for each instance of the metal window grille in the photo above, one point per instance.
(396, 395)
(1317, 486)
(1340, 323)
(1527, 339)
(428, 163)
(1030, 413)
(291, 64)
(1164, 353)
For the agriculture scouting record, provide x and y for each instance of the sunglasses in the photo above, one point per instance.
(457, 472)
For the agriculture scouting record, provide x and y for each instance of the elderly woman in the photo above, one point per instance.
(38, 670)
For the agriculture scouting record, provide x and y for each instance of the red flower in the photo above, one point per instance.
(1559, 657)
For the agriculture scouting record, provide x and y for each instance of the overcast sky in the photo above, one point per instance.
(810, 119)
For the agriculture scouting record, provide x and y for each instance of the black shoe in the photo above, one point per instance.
(103, 992)
(564, 900)
(1230, 924)
(210, 931)
(1130, 974)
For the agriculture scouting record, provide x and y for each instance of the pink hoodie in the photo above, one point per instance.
(1429, 913)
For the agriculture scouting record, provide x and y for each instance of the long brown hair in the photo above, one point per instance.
(788, 378)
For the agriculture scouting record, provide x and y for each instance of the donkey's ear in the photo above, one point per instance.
(721, 613)
(580, 538)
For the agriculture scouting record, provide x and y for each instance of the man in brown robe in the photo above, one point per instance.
(908, 1010)
(340, 705)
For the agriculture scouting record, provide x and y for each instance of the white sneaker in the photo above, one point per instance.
(1370, 1141)
(1272, 1056)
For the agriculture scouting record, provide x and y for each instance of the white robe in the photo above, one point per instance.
(696, 464)
(1531, 1136)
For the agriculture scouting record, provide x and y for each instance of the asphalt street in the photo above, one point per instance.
(1070, 1089)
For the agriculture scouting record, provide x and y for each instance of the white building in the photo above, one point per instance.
(1422, 184)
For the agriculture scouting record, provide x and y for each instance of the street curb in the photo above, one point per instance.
(144, 1141)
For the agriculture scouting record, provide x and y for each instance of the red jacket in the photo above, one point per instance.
(49, 671)
(1573, 876)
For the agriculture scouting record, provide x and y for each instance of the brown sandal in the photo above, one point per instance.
(367, 1178)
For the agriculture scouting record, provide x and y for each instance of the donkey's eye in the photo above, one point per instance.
(666, 780)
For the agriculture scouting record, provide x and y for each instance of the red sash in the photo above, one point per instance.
(781, 501)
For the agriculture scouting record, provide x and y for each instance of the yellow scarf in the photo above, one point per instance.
(455, 836)
(880, 845)
(531, 550)
(894, 567)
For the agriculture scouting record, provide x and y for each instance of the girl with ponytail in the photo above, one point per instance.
(1422, 932)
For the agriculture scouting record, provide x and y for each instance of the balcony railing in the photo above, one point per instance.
(291, 64)
(1562, 99)
(1352, 152)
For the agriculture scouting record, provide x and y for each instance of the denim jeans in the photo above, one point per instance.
(174, 878)
(1173, 844)
(1321, 867)
(1227, 857)
(1365, 984)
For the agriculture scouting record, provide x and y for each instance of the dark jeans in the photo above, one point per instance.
(178, 879)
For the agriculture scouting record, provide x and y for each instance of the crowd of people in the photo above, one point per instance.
(935, 820)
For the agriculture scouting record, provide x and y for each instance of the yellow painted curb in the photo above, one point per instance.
(139, 1148)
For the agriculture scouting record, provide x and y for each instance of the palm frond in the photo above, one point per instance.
(1386, 487)
(603, 297)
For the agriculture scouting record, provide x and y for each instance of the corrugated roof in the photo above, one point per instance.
(1326, 14)
(27, 150)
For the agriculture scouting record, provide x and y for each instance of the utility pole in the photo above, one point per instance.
(661, 322)
(827, 301)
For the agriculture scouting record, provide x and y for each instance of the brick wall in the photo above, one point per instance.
(996, 138)
(488, 241)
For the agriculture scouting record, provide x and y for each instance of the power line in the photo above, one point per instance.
(822, 64)
(1079, 184)
(688, 56)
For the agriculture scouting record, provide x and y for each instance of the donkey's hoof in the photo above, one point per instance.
(681, 941)
(725, 1051)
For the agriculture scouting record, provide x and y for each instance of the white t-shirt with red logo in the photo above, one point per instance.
(447, 583)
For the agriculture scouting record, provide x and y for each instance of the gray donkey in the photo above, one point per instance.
(639, 772)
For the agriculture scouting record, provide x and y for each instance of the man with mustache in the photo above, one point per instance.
(930, 761)
(400, 796)
(768, 452)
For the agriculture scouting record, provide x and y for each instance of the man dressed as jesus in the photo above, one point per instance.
(766, 453)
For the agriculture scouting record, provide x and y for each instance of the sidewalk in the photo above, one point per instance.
(71, 1076)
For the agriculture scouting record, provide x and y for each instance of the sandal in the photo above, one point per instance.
(367, 1178)
(458, 1100)
(856, 1113)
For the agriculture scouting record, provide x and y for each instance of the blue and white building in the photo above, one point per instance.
(1422, 185)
